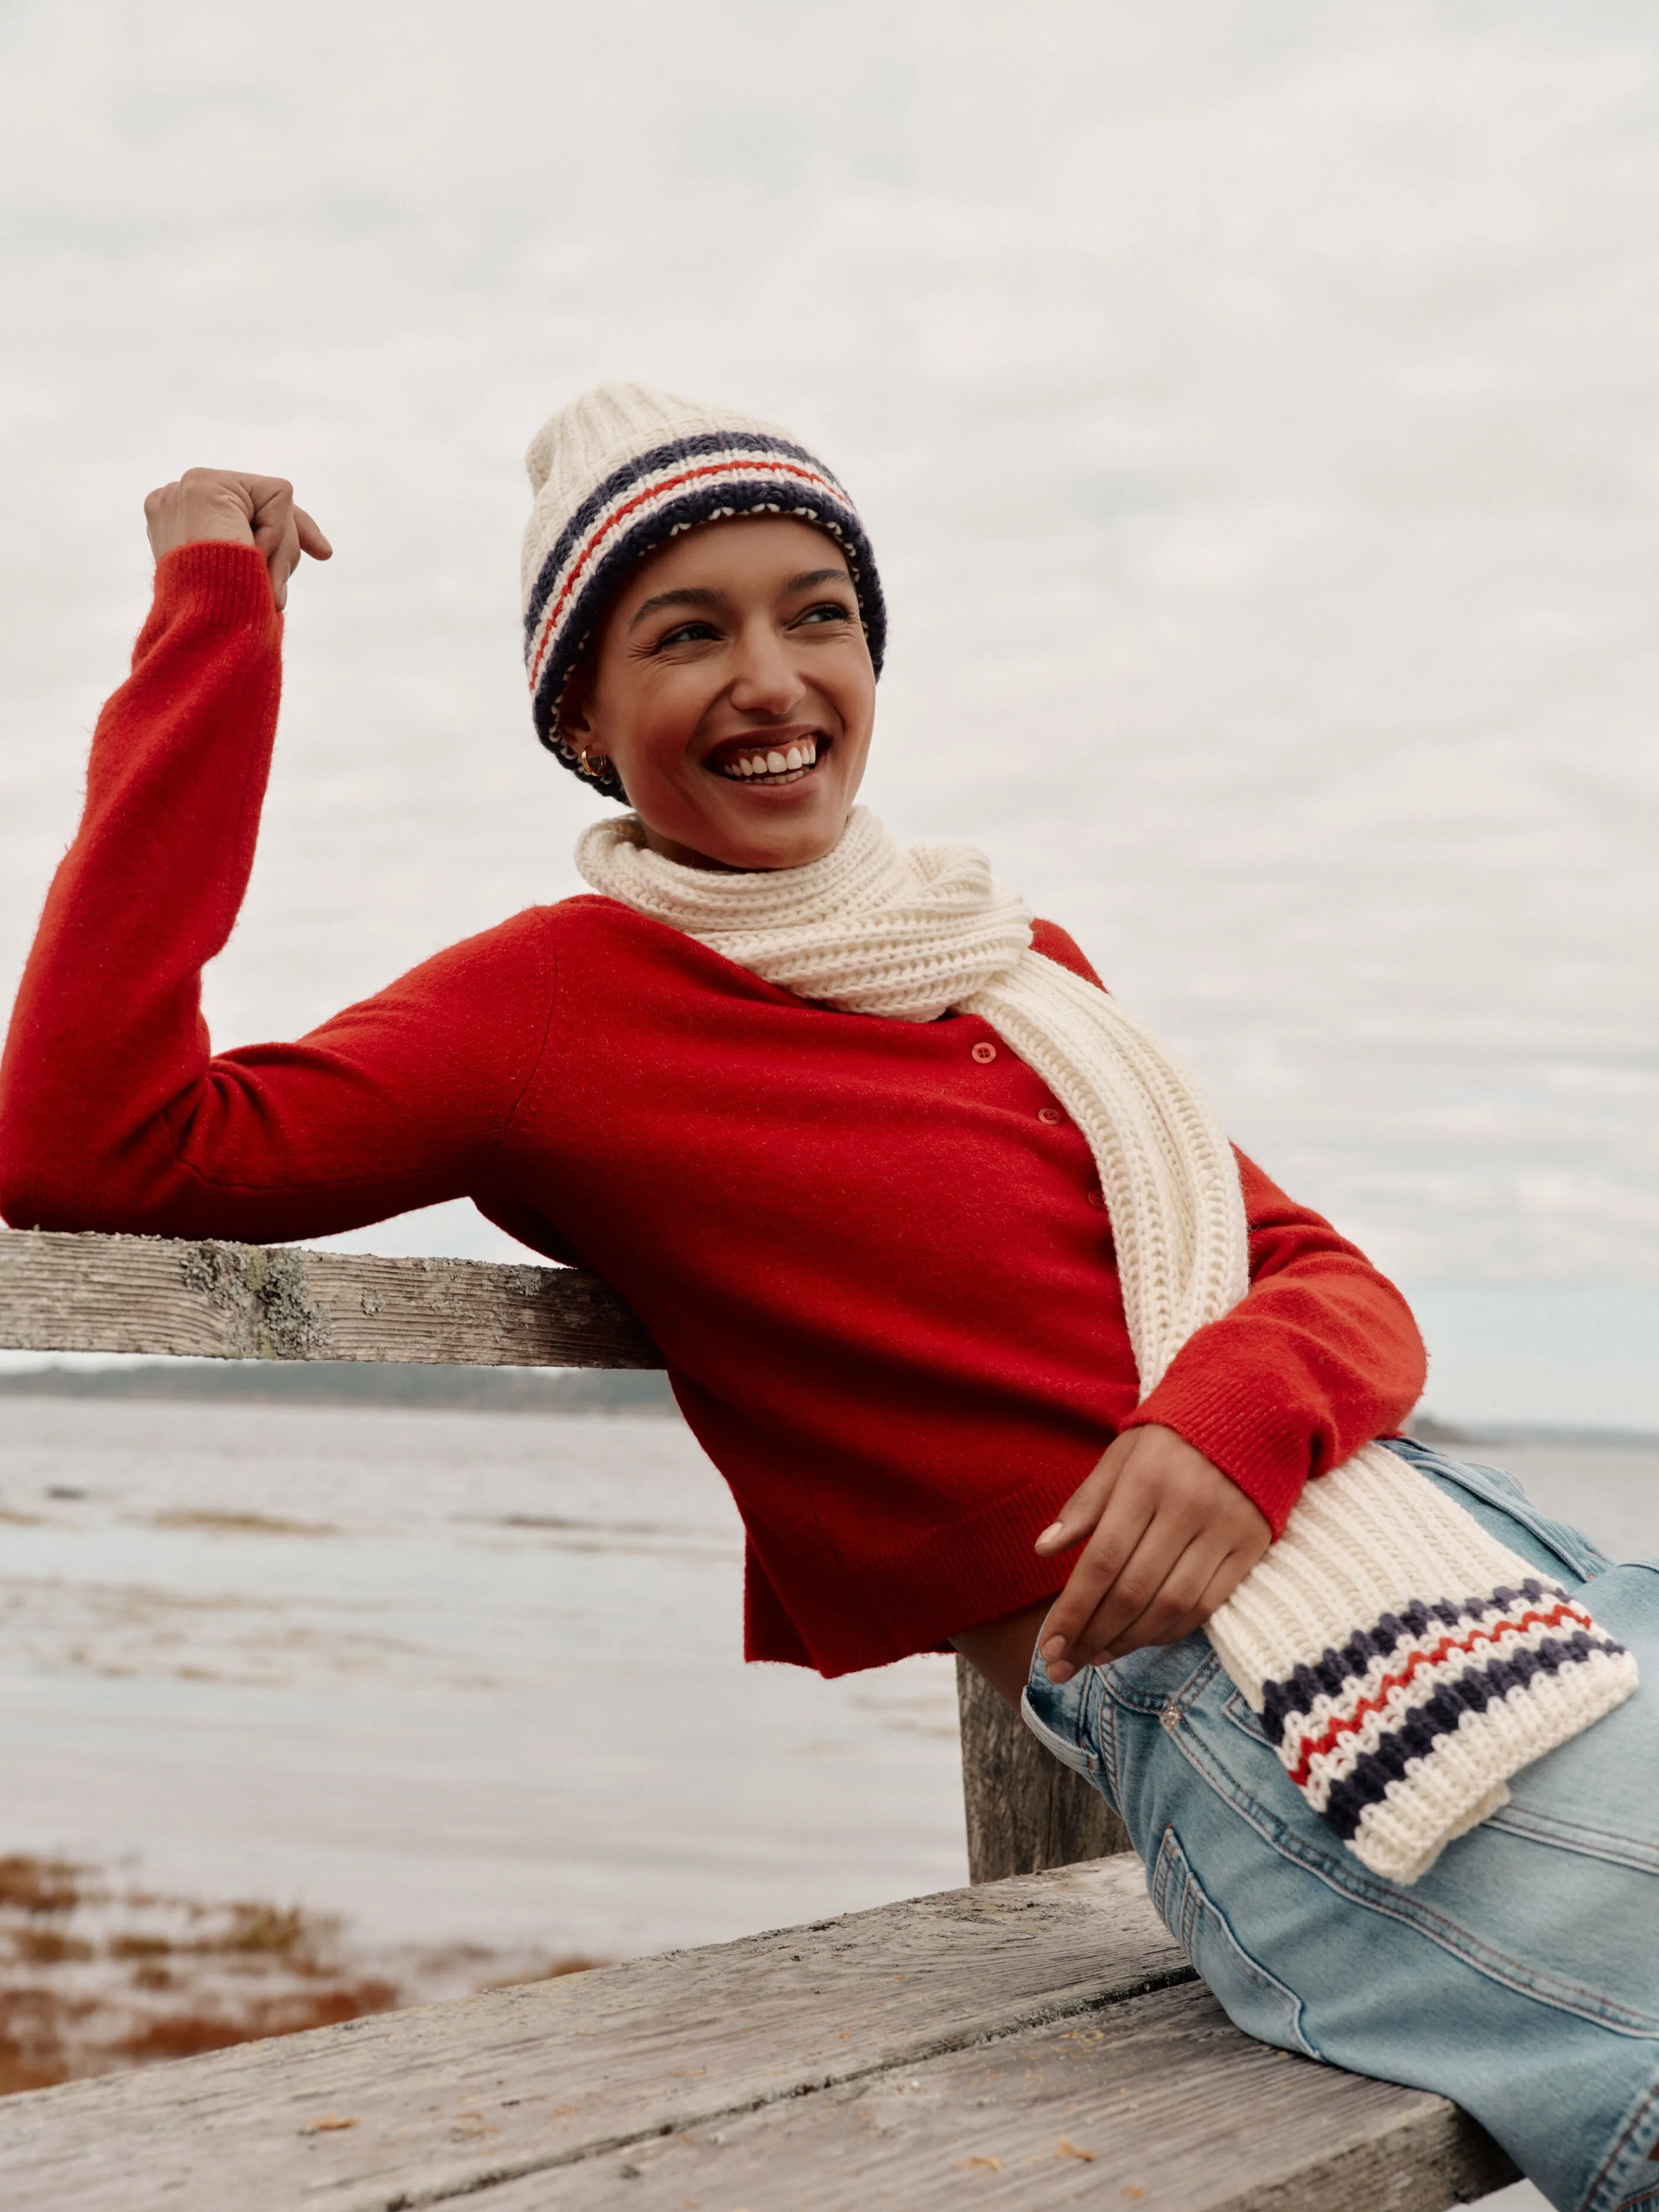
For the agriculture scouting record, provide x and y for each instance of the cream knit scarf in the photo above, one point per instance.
(1403, 1662)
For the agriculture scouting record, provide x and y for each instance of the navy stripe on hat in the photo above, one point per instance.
(703, 446)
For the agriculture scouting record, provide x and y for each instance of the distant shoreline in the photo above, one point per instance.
(1429, 1430)
(584, 1391)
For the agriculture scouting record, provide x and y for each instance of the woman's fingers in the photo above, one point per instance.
(1173, 1536)
(311, 539)
(231, 505)
(1174, 1609)
(284, 532)
(1098, 1579)
(1139, 1598)
(1168, 1622)
(275, 532)
(1081, 1512)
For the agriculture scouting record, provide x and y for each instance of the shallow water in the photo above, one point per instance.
(459, 1677)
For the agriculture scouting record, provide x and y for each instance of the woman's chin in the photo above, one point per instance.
(751, 836)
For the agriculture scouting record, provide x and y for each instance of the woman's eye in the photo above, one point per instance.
(691, 633)
(827, 611)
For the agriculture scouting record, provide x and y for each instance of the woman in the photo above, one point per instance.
(955, 1278)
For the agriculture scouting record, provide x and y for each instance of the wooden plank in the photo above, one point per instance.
(866, 2061)
(218, 1301)
(1160, 2100)
(446, 2098)
(1025, 1811)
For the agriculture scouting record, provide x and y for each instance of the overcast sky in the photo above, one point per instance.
(1251, 401)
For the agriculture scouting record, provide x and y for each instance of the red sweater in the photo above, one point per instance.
(877, 1265)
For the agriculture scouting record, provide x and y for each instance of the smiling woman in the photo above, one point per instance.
(996, 1340)
(731, 691)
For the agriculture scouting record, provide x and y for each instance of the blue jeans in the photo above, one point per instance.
(1519, 1977)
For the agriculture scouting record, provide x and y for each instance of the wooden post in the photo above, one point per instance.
(1025, 1811)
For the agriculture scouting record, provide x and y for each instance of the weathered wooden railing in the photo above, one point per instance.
(1037, 2041)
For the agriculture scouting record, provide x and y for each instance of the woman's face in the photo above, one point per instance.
(731, 687)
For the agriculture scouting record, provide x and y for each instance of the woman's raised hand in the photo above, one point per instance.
(1170, 1539)
(230, 506)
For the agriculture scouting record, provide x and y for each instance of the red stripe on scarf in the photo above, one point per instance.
(1308, 1750)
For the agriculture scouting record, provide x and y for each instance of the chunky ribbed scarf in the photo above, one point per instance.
(1403, 1661)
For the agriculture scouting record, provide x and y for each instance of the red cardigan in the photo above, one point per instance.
(873, 1252)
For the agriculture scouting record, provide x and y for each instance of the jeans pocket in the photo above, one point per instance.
(1243, 1717)
(1064, 1742)
(1252, 1998)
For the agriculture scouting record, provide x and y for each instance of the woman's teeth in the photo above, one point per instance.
(778, 764)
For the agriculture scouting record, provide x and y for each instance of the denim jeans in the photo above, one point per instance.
(1519, 1977)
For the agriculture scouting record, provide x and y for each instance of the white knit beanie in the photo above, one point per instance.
(622, 470)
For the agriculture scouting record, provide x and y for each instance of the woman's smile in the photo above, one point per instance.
(771, 762)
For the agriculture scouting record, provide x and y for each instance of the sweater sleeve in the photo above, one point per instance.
(1321, 1355)
(114, 1113)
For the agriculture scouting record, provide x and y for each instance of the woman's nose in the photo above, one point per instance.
(766, 680)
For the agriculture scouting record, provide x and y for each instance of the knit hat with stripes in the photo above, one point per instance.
(622, 470)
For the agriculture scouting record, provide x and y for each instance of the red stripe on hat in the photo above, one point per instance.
(1309, 1749)
(670, 484)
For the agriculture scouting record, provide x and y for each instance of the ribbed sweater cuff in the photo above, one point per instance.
(225, 585)
(1251, 1437)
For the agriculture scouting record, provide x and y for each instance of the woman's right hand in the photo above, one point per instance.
(1168, 1539)
(227, 505)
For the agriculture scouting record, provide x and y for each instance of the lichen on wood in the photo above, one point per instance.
(263, 1297)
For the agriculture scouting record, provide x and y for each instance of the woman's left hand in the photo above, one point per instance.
(1170, 1539)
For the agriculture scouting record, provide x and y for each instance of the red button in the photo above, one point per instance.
(1097, 1198)
(1050, 1115)
(984, 1052)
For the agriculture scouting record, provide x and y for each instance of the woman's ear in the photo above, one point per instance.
(578, 736)
(576, 708)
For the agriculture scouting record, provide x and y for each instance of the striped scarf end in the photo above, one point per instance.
(1399, 1815)
(1403, 1764)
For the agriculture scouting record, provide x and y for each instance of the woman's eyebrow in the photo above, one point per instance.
(688, 595)
(699, 595)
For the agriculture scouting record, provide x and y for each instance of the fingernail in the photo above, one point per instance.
(1053, 1529)
(1059, 1671)
(1053, 1647)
